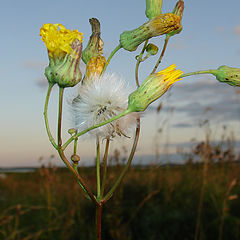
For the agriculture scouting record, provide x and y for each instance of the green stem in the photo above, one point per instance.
(80, 184)
(162, 54)
(109, 194)
(110, 57)
(61, 90)
(61, 153)
(51, 139)
(98, 170)
(210, 71)
(75, 145)
(104, 167)
(83, 184)
(122, 114)
(139, 60)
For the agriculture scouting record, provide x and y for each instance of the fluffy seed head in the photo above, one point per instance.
(105, 97)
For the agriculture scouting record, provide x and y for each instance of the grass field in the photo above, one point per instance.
(191, 201)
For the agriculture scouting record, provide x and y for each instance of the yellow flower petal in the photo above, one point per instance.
(58, 39)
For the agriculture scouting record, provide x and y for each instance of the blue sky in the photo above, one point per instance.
(210, 38)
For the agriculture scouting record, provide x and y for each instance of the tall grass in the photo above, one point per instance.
(191, 201)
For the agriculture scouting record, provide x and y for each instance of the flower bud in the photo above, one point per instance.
(228, 75)
(153, 88)
(152, 49)
(75, 158)
(161, 24)
(95, 43)
(153, 8)
(72, 131)
(64, 50)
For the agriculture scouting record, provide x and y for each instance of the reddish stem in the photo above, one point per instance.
(99, 221)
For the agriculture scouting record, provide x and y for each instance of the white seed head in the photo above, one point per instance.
(103, 98)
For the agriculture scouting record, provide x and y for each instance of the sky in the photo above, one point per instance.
(210, 38)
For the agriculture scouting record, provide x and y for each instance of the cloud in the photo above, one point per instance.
(236, 30)
(202, 99)
(220, 29)
(182, 125)
(177, 45)
(42, 82)
(33, 64)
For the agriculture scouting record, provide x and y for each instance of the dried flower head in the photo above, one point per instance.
(159, 25)
(103, 98)
(94, 68)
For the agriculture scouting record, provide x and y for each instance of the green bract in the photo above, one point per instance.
(66, 73)
(95, 43)
(228, 75)
(153, 8)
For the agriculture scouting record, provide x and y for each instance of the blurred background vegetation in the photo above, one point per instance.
(195, 200)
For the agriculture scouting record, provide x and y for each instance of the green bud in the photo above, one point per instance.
(153, 8)
(161, 24)
(66, 73)
(75, 158)
(153, 88)
(95, 43)
(152, 49)
(72, 131)
(228, 75)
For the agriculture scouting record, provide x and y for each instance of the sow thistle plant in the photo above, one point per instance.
(104, 107)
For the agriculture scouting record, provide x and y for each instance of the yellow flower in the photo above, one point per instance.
(64, 50)
(58, 39)
(153, 88)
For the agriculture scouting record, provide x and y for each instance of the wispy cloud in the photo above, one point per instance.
(202, 99)
(220, 29)
(177, 45)
(42, 82)
(236, 30)
(182, 125)
(33, 64)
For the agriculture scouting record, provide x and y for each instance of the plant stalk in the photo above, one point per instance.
(62, 155)
(99, 221)
(130, 158)
(105, 167)
(60, 107)
(210, 71)
(110, 57)
(122, 114)
(98, 170)
(139, 60)
(51, 139)
(162, 54)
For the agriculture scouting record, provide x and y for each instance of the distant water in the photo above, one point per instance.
(18, 169)
(143, 160)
